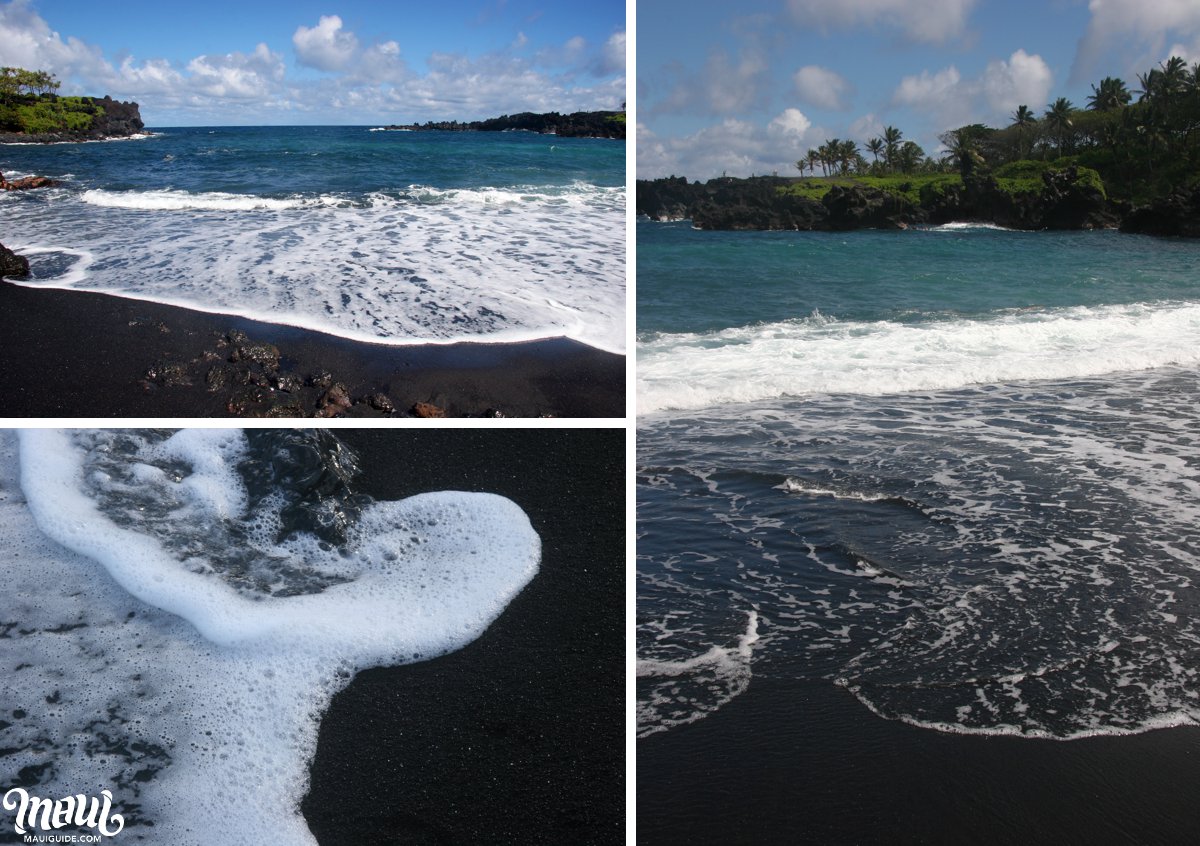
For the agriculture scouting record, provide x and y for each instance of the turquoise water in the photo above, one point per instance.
(736, 317)
(391, 237)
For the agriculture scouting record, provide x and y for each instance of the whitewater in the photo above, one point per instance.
(181, 607)
(395, 238)
(951, 471)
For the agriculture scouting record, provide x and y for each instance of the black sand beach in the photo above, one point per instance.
(519, 737)
(80, 354)
(790, 762)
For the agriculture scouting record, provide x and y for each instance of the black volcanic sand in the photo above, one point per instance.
(519, 736)
(791, 762)
(81, 354)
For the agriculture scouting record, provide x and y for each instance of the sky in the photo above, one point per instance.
(748, 88)
(282, 62)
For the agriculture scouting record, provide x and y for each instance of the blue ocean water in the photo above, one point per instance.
(955, 471)
(386, 236)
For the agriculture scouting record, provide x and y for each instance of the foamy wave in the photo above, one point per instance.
(967, 226)
(685, 690)
(172, 200)
(810, 356)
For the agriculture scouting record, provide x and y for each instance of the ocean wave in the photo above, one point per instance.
(170, 199)
(827, 356)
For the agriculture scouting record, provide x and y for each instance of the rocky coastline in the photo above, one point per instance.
(114, 119)
(1067, 200)
(575, 125)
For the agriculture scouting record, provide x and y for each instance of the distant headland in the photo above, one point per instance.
(575, 125)
(31, 111)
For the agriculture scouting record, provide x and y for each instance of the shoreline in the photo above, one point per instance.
(807, 761)
(85, 354)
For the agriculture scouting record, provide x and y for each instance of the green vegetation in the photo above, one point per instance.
(910, 187)
(618, 118)
(29, 104)
(1133, 150)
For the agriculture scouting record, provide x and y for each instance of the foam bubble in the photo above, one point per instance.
(213, 692)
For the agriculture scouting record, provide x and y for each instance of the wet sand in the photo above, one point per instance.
(81, 354)
(518, 737)
(794, 762)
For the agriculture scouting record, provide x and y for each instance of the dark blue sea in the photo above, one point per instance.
(385, 236)
(950, 474)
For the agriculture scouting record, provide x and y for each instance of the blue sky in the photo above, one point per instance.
(325, 62)
(747, 89)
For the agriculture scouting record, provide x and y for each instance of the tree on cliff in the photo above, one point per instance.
(17, 81)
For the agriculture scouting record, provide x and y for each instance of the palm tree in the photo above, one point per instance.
(1111, 94)
(1024, 120)
(909, 156)
(875, 147)
(813, 157)
(891, 143)
(847, 153)
(1174, 75)
(1058, 120)
(1151, 83)
(961, 146)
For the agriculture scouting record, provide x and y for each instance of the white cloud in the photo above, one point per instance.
(866, 127)
(919, 20)
(27, 41)
(989, 98)
(325, 46)
(821, 87)
(237, 75)
(1134, 35)
(612, 57)
(926, 89)
(732, 147)
(1022, 80)
(366, 84)
(734, 88)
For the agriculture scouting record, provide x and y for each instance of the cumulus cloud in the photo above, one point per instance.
(821, 87)
(991, 97)
(726, 86)
(933, 21)
(325, 46)
(1022, 79)
(927, 88)
(365, 83)
(733, 147)
(237, 75)
(27, 41)
(1136, 33)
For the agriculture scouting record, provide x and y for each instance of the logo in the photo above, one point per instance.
(53, 814)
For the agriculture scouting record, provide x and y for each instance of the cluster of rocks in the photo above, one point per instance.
(255, 381)
(1066, 201)
(1177, 213)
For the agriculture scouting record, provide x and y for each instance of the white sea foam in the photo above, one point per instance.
(679, 691)
(172, 200)
(968, 226)
(420, 265)
(212, 696)
(811, 356)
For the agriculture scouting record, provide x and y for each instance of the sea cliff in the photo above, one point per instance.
(1070, 198)
(76, 119)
